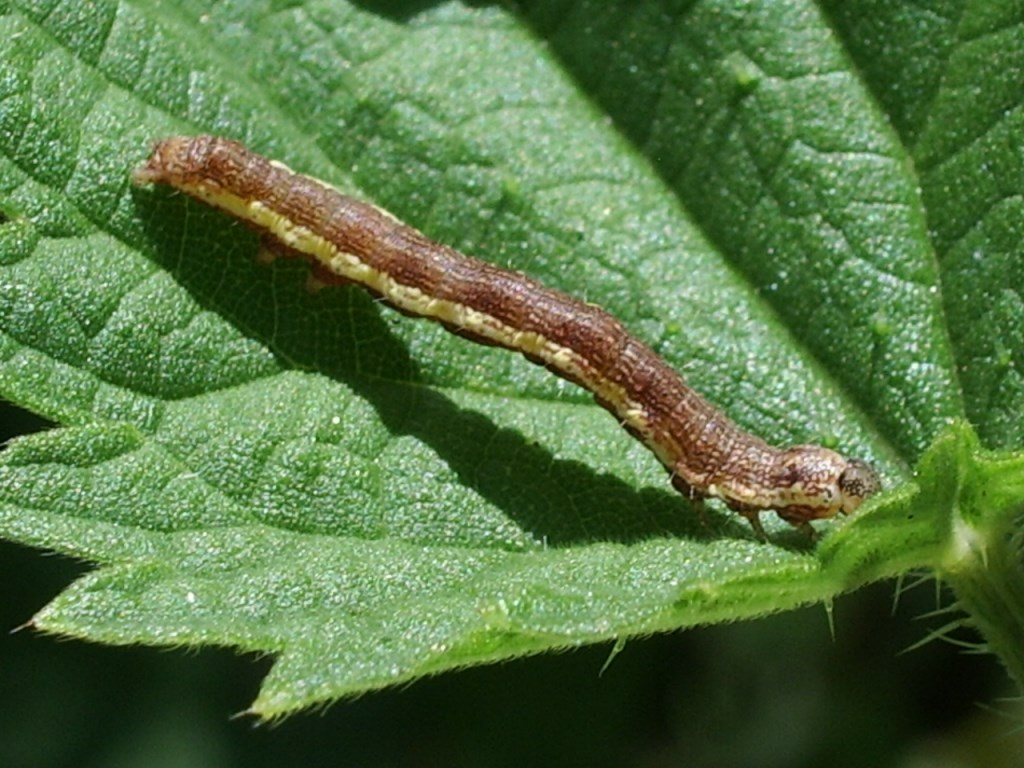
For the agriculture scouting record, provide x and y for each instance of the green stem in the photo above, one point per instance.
(983, 564)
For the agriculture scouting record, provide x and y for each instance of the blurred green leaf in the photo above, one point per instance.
(810, 209)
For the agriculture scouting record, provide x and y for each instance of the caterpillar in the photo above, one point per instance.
(350, 241)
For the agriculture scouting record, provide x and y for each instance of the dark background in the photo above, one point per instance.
(781, 691)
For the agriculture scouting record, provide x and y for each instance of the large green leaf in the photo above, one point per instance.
(810, 209)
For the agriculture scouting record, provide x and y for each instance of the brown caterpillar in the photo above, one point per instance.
(349, 241)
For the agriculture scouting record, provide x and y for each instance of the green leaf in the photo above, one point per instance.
(811, 210)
